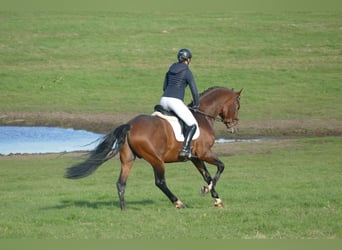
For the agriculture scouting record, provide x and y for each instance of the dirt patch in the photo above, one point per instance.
(100, 123)
(103, 123)
(291, 128)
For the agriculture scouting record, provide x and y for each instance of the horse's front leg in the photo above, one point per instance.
(220, 167)
(207, 178)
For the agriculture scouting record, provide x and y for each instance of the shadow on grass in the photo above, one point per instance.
(98, 204)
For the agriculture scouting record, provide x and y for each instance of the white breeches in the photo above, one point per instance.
(178, 106)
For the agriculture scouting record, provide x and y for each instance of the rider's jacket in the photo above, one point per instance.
(176, 79)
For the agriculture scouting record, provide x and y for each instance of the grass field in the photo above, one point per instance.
(280, 193)
(289, 65)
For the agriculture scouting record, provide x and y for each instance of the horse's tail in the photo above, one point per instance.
(108, 148)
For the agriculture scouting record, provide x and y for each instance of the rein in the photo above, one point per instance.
(205, 114)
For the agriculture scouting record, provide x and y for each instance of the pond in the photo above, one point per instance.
(36, 140)
(32, 140)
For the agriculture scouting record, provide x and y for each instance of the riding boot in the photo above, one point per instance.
(185, 151)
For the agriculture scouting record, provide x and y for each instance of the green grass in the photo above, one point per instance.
(289, 64)
(281, 193)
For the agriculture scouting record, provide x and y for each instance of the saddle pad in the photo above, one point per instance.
(176, 126)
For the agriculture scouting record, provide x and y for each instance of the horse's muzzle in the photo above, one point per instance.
(233, 129)
(232, 126)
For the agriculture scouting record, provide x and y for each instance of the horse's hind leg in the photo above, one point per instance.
(121, 183)
(159, 174)
(127, 159)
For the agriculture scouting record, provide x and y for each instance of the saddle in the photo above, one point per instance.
(159, 108)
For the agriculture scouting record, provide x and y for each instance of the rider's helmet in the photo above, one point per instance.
(184, 54)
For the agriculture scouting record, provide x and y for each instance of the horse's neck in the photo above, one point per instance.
(212, 107)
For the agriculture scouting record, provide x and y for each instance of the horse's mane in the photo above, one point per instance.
(191, 104)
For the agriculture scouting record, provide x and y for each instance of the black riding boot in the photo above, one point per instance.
(185, 151)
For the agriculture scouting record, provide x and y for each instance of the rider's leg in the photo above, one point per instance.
(185, 151)
(178, 106)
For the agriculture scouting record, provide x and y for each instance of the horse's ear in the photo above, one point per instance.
(240, 91)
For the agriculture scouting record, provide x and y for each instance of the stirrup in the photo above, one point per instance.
(185, 152)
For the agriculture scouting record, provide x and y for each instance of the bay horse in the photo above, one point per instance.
(152, 138)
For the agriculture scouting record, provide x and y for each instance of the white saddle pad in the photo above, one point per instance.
(173, 120)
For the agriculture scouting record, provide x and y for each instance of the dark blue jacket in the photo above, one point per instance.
(176, 80)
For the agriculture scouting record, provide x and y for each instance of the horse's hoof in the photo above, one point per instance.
(179, 204)
(218, 203)
(204, 190)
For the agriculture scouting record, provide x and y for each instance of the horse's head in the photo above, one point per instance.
(230, 112)
(222, 102)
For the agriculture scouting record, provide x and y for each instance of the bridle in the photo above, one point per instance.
(220, 119)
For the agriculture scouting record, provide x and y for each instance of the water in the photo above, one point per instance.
(223, 140)
(35, 140)
(31, 140)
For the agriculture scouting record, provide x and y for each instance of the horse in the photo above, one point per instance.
(152, 138)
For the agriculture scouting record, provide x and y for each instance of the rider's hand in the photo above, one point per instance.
(195, 108)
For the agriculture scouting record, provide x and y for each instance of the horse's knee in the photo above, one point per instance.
(220, 166)
(160, 183)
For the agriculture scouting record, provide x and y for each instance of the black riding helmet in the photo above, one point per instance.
(184, 54)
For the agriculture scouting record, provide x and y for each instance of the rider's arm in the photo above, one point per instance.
(165, 82)
(193, 88)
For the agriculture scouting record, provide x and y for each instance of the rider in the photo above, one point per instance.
(176, 80)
